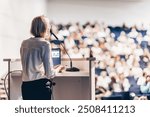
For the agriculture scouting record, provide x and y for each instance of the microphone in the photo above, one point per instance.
(71, 69)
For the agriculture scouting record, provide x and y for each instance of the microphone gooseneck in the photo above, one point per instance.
(71, 69)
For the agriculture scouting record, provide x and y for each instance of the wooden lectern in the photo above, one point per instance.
(69, 85)
(76, 85)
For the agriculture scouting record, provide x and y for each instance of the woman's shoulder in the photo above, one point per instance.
(40, 40)
(36, 42)
(24, 42)
(45, 42)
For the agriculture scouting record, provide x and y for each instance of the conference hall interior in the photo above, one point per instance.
(116, 33)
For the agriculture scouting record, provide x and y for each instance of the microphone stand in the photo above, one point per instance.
(71, 69)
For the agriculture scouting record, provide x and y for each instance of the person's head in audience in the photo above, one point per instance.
(103, 74)
(148, 78)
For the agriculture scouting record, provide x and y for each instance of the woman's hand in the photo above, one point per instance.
(58, 68)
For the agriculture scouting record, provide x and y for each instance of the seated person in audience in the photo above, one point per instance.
(141, 80)
(69, 42)
(102, 84)
(115, 85)
(98, 91)
(145, 88)
(122, 37)
(124, 83)
(133, 33)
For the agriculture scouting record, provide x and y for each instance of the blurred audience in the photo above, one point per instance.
(120, 52)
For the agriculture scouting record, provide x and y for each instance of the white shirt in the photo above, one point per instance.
(36, 59)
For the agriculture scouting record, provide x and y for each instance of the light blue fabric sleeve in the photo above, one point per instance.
(145, 88)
